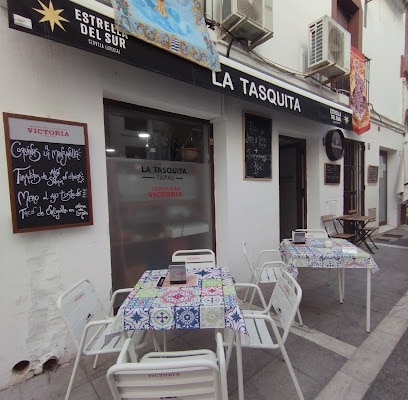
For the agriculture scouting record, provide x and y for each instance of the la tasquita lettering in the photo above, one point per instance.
(47, 132)
(165, 170)
(261, 92)
(101, 33)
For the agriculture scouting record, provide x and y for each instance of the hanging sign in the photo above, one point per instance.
(334, 144)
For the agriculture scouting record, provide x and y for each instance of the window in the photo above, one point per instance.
(160, 188)
(349, 14)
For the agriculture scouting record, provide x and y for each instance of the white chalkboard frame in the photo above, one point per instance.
(265, 124)
(17, 127)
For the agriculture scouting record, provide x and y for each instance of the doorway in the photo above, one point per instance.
(292, 185)
(353, 188)
(382, 188)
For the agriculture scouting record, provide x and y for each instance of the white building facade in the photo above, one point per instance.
(59, 81)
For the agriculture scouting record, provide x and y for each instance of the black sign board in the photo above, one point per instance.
(372, 174)
(257, 147)
(49, 180)
(331, 174)
(69, 23)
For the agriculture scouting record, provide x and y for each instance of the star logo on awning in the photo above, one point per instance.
(51, 15)
(346, 119)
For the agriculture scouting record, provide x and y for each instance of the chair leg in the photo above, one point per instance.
(371, 240)
(96, 361)
(229, 343)
(328, 279)
(291, 371)
(253, 280)
(252, 299)
(299, 317)
(71, 380)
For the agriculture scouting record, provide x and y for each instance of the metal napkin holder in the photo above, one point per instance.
(177, 272)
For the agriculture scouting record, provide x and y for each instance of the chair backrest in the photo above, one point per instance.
(329, 224)
(202, 257)
(372, 213)
(314, 233)
(263, 256)
(285, 300)
(78, 306)
(178, 374)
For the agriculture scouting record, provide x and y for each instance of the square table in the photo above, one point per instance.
(207, 300)
(342, 254)
(210, 302)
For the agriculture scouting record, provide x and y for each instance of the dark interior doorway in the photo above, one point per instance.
(292, 185)
(353, 176)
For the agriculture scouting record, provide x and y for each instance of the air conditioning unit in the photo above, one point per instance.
(249, 20)
(329, 48)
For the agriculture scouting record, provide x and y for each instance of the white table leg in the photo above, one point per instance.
(341, 283)
(238, 350)
(368, 305)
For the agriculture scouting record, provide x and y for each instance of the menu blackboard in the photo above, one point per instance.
(48, 168)
(257, 147)
(331, 174)
(372, 174)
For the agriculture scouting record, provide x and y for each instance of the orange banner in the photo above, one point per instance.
(358, 92)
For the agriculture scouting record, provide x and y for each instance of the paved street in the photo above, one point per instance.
(333, 356)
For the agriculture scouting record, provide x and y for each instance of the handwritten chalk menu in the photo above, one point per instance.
(257, 147)
(372, 174)
(331, 174)
(49, 180)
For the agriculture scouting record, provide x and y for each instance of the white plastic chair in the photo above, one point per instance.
(285, 300)
(264, 269)
(195, 257)
(267, 272)
(195, 374)
(80, 309)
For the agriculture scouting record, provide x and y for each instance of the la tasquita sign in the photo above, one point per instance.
(71, 24)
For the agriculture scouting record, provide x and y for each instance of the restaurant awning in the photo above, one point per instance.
(81, 27)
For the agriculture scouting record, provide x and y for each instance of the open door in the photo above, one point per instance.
(292, 185)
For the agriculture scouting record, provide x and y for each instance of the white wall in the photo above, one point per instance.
(46, 79)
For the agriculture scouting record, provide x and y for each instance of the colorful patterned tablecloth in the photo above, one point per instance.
(315, 254)
(212, 303)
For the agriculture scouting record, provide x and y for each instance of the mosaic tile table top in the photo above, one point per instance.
(212, 303)
(315, 254)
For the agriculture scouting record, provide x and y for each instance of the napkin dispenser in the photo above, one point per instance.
(298, 237)
(177, 272)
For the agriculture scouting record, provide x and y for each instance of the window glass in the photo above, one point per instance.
(159, 185)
